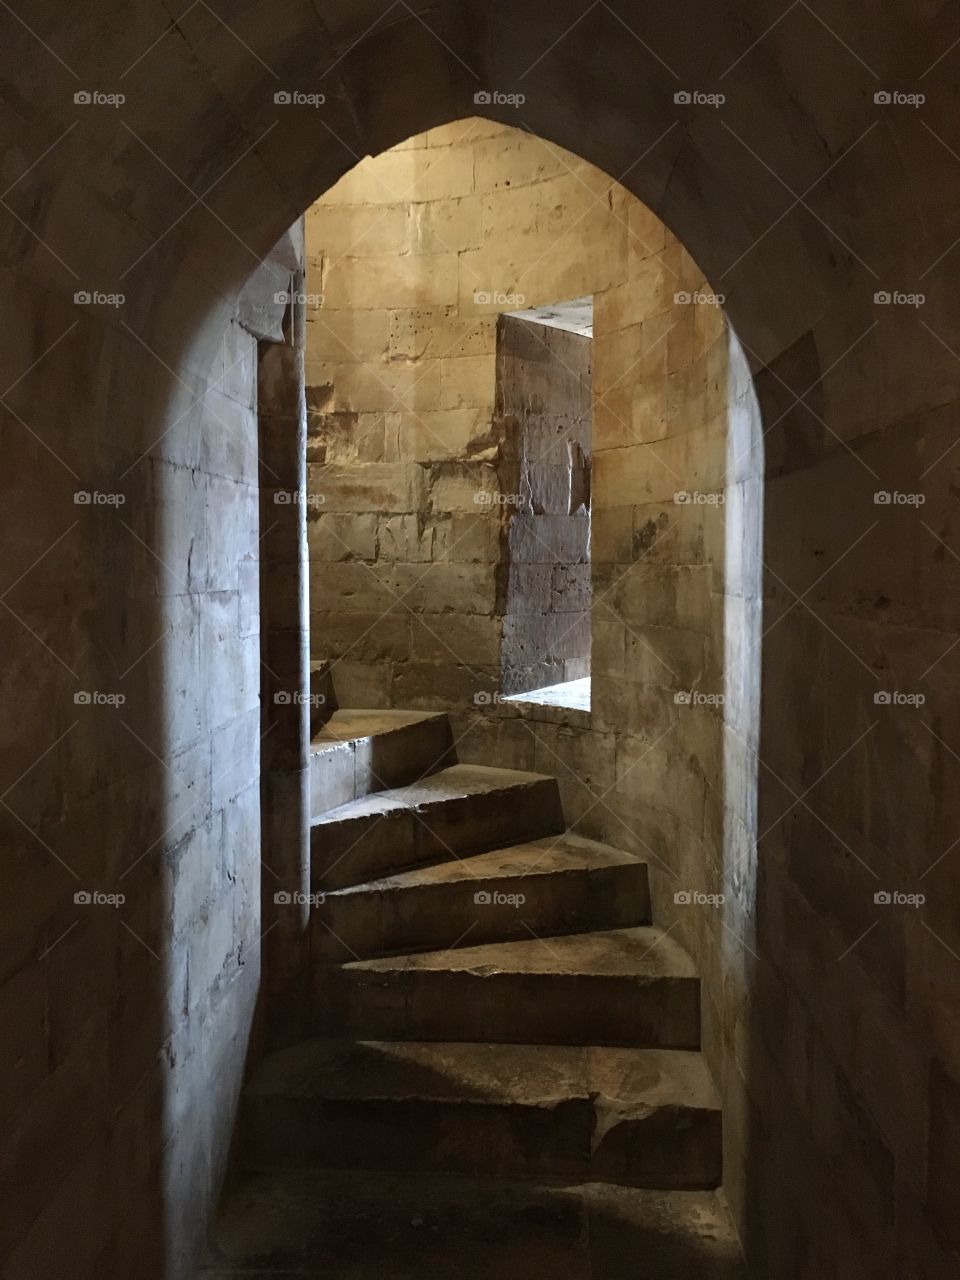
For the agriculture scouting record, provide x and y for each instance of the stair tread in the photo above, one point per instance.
(620, 1079)
(553, 855)
(359, 1225)
(644, 951)
(355, 725)
(453, 783)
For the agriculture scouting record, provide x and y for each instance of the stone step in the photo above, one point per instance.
(460, 810)
(640, 1117)
(354, 753)
(304, 1225)
(564, 884)
(616, 987)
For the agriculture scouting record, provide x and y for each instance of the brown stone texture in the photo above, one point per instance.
(426, 564)
(831, 1020)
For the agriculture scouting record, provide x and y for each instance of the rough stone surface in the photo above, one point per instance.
(364, 1224)
(807, 1016)
(357, 752)
(634, 1116)
(500, 1079)
(625, 986)
(458, 810)
(566, 884)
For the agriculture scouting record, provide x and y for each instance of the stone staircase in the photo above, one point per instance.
(504, 1079)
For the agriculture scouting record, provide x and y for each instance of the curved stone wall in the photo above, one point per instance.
(811, 192)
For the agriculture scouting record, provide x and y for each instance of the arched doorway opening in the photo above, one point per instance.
(798, 211)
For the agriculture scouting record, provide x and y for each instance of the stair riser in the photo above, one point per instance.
(670, 1148)
(358, 849)
(508, 1008)
(345, 771)
(435, 916)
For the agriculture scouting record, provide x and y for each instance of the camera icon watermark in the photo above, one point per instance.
(696, 98)
(494, 898)
(697, 698)
(696, 898)
(894, 698)
(94, 298)
(698, 298)
(96, 98)
(284, 297)
(897, 298)
(297, 497)
(95, 698)
(495, 98)
(897, 98)
(94, 498)
(484, 699)
(484, 498)
(294, 698)
(896, 898)
(498, 298)
(94, 898)
(694, 498)
(297, 898)
(894, 498)
(296, 98)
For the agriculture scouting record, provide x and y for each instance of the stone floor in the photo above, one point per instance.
(342, 1225)
(574, 694)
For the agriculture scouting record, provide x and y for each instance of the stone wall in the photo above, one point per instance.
(665, 765)
(846, 1040)
(411, 258)
(543, 402)
(129, 945)
(400, 386)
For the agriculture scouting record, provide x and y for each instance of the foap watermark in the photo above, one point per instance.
(896, 698)
(494, 898)
(297, 898)
(894, 498)
(694, 498)
(497, 298)
(697, 98)
(294, 698)
(896, 898)
(483, 699)
(484, 498)
(286, 296)
(696, 898)
(684, 298)
(94, 498)
(697, 698)
(297, 98)
(97, 98)
(897, 98)
(95, 898)
(497, 98)
(94, 298)
(897, 298)
(97, 698)
(297, 497)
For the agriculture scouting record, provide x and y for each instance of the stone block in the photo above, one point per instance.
(433, 333)
(387, 281)
(342, 536)
(371, 487)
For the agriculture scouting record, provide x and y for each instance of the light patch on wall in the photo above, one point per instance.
(575, 316)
